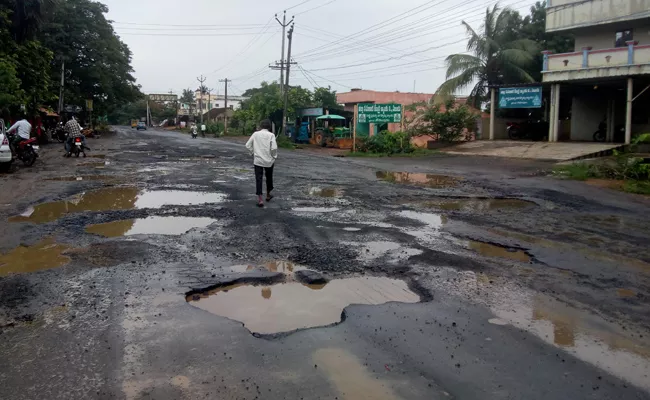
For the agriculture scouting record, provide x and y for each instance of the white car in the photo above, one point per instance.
(5, 151)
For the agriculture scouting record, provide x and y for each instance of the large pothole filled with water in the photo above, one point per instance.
(268, 306)
(118, 199)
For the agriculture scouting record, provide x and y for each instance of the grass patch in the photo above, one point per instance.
(576, 171)
(285, 143)
(415, 153)
(637, 187)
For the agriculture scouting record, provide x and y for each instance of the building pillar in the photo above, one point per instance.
(585, 56)
(628, 111)
(552, 126)
(546, 54)
(630, 51)
(493, 106)
(611, 114)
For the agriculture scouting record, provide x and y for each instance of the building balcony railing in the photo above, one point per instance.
(631, 55)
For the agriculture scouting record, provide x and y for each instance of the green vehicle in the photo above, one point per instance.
(337, 130)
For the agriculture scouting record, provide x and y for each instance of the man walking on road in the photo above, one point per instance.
(264, 148)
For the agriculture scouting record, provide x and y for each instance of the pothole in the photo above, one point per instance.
(116, 198)
(150, 226)
(491, 250)
(479, 205)
(326, 192)
(46, 254)
(418, 179)
(315, 209)
(267, 309)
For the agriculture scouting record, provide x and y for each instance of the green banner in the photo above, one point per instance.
(520, 97)
(380, 113)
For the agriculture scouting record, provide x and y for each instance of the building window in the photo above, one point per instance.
(217, 105)
(623, 36)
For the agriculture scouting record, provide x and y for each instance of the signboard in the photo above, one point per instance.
(89, 105)
(311, 112)
(380, 113)
(72, 109)
(520, 97)
(163, 97)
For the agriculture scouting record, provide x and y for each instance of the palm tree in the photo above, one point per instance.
(493, 56)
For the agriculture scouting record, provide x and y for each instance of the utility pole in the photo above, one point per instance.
(201, 79)
(284, 25)
(225, 118)
(61, 102)
(209, 102)
(286, 86)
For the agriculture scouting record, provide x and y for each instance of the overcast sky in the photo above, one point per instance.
(369, 44)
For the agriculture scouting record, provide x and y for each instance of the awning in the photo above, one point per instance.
(331, 117)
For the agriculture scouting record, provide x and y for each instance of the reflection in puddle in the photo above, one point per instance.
(490, 250)
(46, 254)
(83, 178)
(625, 293)
(350, 229)
(479, 205)
(325, 192)
(120, 198)
(285, 307)
(150, 226)
(351, 379)
(418, 179)
(395, 251)
(580, 332)
(315, 209)
(284, 267)
(433, 224)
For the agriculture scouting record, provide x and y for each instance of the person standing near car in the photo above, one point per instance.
(264, 149)
(23, 130)
(73, 129)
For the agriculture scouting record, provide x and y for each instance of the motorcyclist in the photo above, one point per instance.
(193, 129)
(73, 129)
(22, 129)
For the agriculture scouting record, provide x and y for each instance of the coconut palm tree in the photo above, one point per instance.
(493, 56)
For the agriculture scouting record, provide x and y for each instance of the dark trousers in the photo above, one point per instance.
(259, 175)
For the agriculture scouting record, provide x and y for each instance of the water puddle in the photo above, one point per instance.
(284, 267)
(150, 226)
(351, 229)
(315, 209)
(479, 205)
(394, 251)
(350, 377)
(98, 165)
(83, 178)
(625, 293)
(102, 156)
(285, 307)
(491, 250)
(326, 192)
(418, 179)
(46, 254)
(116, 198)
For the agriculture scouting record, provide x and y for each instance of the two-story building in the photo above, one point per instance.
(213, 101)
(606, 77)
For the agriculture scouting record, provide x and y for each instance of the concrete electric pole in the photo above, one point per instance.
(286, 86)
(225, 118)
(201, 79)
(284, 25)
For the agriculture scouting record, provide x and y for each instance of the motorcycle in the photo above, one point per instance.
(78, 147)
(194, 134)
(601, 134)
(27, 150)
(531, 129)
(58, 134)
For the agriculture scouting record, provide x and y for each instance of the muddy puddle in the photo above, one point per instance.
(491, 250)
(327, 192)
(284, 267)
(46, 254)
(84, 178)
(479, 205)
(115, 199)
(285, 307)
(418, 179)
(149, 226)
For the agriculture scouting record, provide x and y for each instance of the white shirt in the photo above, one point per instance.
(263, 147)
(22, 127)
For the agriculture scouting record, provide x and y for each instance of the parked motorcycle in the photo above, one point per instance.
(531, 130)
(58, 134)
(27, 150)
(601, 134)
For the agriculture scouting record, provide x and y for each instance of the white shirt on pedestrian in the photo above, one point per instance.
(263, 147)
(22, 128)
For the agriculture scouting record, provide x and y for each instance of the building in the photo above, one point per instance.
(212, 101)
(606, 76)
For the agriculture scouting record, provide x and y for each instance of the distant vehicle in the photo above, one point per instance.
(134, 123)
(5, 151)
(142, 126)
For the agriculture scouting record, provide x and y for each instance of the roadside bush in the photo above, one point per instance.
(215, 128)
(456, 122)
(284, 142)
(386, 142)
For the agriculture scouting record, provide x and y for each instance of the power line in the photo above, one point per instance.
(184, 25)
(327, 80)
(186, 35)
(316, 8)
(297, 5)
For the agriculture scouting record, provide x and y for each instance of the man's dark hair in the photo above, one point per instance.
(70, 117)
(266, 124)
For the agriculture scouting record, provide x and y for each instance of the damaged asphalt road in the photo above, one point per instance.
(150, 274)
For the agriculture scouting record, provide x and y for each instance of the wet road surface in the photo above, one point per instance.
(148, 273)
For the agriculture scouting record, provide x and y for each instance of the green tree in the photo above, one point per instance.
(97, 62)
(450, 124)
(27, 17)
(496, 58)
(325, 97)
(187, 97)
(10, 93)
